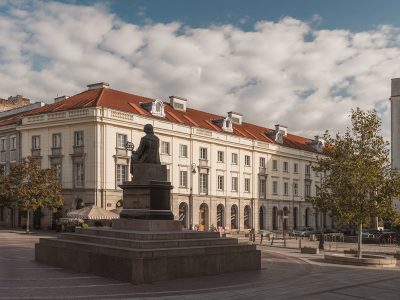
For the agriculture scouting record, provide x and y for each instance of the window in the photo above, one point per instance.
(220, 156)
(36, 142)
(220, 183)
(3, 144)
(2, 169)
(203, 153)
(13, 142)
(78, 138)
(121, 140)
(79, 176)
(275, 165)
(286, 188)
(285, 166)
(262, 187)
(203, 183)
(307, 190)
(234, 184)
(296, 168)
(183, 178)
(247, 160)
(262, 162)
(121, 174)
(56, 140)
(165, 148)
(247, 185)
(183, 151)
(57, 168)
(296, 189)
(308, 170)
(234, 158)
(275, 187)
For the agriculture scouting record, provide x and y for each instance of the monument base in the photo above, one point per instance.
(147, 255)
(146, 225)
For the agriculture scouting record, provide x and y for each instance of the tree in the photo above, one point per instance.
(358, 181)
(32, 187)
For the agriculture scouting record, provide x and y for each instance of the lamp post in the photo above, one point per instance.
(193, 171)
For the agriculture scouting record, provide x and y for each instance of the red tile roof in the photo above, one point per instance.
(114, 99)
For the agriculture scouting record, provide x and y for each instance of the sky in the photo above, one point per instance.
(303, 64)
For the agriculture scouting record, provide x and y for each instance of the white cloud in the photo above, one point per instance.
(280, 72)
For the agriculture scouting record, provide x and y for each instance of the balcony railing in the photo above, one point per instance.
(203, 163)
(262, 171)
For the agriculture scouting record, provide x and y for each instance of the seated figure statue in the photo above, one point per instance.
(148, 150)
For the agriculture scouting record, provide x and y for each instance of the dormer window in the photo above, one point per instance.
(236, 118)
(318, 144)
(278, 134)
(178, 103)
(227, 125)
(155, 107)
(224, 123)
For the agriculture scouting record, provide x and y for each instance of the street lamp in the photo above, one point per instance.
(193, 171)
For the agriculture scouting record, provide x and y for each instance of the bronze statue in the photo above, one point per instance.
(148, 151)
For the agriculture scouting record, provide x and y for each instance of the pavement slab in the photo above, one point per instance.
(285, 274)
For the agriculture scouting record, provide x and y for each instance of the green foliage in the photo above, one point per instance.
(85, 226)
(30, 187)
(358, 181)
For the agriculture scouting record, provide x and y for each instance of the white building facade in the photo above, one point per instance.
(225, 173)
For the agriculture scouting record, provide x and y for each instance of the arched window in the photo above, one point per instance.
(183, 214)
(275, 218)
(79, 204)
(247, 217)
(234, 217)
(285, 218)
(262, 216)
(295, 218)
(203, 217)
(307, 217)
(220, 216)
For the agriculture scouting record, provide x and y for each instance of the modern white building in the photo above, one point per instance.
(225, 172)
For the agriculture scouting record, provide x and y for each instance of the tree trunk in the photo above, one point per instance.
(27, 221)
(359, 252)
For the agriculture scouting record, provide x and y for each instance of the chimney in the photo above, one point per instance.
(178, 103)
(236, 117)
(61, 98)
(281, 129)
(98, 85)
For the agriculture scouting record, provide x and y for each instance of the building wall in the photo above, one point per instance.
(101, 155)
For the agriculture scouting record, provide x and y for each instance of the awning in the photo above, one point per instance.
(93, 213)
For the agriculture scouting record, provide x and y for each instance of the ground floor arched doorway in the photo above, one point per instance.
(247, 217)
(183, 214)
(220, 216)
(234, 217)
(203, 217)
(261, 216)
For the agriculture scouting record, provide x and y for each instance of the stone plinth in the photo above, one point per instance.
(147, 256)
(146, 225)
(147, 201)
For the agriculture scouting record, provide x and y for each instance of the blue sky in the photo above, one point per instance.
(355, 15)
(304, 64)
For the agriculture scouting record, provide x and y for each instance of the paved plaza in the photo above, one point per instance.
(285, 274)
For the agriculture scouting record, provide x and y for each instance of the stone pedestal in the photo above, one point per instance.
(148, 195)
(147, 256)
(146, 244)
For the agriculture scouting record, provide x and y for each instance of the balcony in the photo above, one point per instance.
(203, 163)
(56, 151)
(307, 176)
(35, 152)
(121, 152)
(79, 150)
(262, 171)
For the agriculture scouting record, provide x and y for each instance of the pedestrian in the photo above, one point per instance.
(261, 238)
